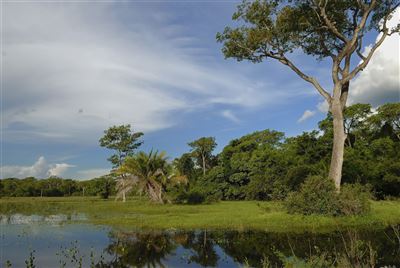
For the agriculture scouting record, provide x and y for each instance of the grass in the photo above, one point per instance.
(238, 215)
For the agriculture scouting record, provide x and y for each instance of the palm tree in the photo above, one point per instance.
(147, 172)
(124, 184)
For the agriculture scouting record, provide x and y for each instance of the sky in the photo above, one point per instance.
(72, 69)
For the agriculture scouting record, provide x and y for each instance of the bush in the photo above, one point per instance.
(354, 199)
(195, 197)
(317, 195)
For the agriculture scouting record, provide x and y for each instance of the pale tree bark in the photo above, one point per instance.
(204, 163)
(341, 76)
(123, 191)
(339, 138)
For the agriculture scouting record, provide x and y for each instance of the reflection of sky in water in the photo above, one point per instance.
(47, 240)
(21, 234)
(32, 219)
(48, 236)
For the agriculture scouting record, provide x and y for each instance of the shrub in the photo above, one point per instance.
(354, 199)
(195, 197)
(318, 195)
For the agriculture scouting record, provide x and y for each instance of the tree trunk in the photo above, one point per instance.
(204, 164)
(123, 190)
(123, 196)
(339, 138)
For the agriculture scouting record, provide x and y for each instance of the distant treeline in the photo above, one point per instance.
(54, 186)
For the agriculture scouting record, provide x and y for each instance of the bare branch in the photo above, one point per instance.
(359, 47)
(331, 26)
(361, 4)
(351, 44)
(365, 62)
(305, 77)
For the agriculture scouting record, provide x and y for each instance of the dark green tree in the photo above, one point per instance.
(273, 29)
(387, 119)
(354, 119)
(185, 165)
(202, 150)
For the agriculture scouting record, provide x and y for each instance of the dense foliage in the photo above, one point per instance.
(317, 195)
(54, 186)
(122, 140)
(335, 31)
(264, 165)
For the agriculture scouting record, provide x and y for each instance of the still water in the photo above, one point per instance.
(67, 241)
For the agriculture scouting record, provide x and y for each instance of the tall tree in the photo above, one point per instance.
(332, 29)
(124, 141)
(184, 165)
(202, 151)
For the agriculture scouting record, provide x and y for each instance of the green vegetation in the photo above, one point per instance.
(240, 215)
(122, 140)
(148, 173)
(264, 166)
(318, 195)
(268, 30)
(54, 186)
(202, 151)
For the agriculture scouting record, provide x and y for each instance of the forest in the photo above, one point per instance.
(263, 165)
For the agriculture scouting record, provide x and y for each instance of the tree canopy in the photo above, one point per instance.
(335, 29)
(202, 151)
(263, 165)
(121, 139)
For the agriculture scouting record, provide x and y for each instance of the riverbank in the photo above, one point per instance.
(235, 215)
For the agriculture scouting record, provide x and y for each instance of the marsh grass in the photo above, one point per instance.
(138, 213)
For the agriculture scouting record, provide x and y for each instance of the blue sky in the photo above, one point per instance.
(71, 70)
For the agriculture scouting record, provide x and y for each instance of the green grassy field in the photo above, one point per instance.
(240, 215)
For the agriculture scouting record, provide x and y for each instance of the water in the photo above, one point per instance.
(67, 241)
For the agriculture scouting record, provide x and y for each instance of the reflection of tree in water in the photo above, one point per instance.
(347, 248)
(150, 249)
(251, 247)
(140, 249)
(201, 247)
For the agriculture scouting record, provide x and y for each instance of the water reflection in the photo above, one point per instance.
(55, 219)
(258, 249)
(105, 247)
(140, 249)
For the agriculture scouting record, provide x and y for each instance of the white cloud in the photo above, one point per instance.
(379, 83)
(228, 114)
(92, 173)
(323, 107)
(307, 114)
(71, 71)
(59, 169)
(39, 169)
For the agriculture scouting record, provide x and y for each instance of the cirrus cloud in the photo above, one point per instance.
(70, 71)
